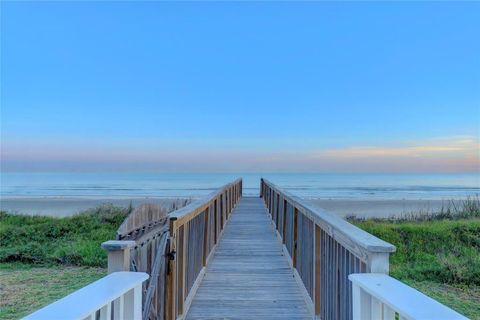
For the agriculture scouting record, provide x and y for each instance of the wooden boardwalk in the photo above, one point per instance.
(249, 277)
(220, 257)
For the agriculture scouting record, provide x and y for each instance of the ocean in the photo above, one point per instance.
(170, 185)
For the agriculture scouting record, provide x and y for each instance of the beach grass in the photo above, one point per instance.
(43, 258)
(73, 241)
(438, 254)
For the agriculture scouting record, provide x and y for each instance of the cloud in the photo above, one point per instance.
(448, 154)
(453, 146)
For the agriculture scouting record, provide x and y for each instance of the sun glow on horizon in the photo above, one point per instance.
(451, 154)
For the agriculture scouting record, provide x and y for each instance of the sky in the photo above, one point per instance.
(240, 86)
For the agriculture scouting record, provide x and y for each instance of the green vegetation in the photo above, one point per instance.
(72, 240)
(442, 251)
(439, 254)
(25, 288)
(43, 258)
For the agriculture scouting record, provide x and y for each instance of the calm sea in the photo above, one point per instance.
(312, 185)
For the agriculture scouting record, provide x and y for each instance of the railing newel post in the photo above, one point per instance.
(118, 254)
(378, 262)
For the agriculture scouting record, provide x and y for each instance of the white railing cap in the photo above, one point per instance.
(410, 303)
(85, 301)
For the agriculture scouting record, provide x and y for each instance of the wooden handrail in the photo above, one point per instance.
(191, 210)
(194, 232)
(175, 252)
(323, 249)
(357, 240)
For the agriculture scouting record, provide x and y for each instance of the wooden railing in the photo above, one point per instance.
(324, 250)
(147, 217)
(378, 296)
(194, 232)
(116, 296)
(173, 249)
(147, 228)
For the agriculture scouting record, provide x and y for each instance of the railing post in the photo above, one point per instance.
(206, 235)
(378, 262)
(361, 304)
(172, 287)
(118, 254)
(261, 187)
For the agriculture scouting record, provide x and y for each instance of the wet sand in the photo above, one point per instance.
(60, 207)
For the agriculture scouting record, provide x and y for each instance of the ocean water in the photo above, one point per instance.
(309, 185)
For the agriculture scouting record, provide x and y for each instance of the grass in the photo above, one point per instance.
(25, 288)
(464, 299)
(73, 241)
(438, 254)
(43, 258)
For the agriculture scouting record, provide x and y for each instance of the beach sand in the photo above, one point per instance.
(61, 207)
(379, 208)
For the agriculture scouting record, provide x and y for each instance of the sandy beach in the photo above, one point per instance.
(61, 207)
(378, 208)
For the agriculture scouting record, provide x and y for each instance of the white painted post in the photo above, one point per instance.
(91, 317)
(378, 262)
(118, 307)
(133, 304)
(106, 312)
(361, 304)
(376, 310)
(388, 313)
(118, 254)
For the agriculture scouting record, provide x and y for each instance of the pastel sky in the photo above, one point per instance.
(244, 86)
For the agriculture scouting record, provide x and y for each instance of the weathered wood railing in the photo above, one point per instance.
(324, 250)
(116, 296)
(143, 247)
(194, 232)
(173, 249)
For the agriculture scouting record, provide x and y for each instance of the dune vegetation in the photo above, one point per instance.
(437, 253)
(46, 257)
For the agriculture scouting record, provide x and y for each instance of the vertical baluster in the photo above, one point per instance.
(361, 304)
(388, 313)
(294, 247)
(118, 308)
(317, 269)
(376, 308)
(206, 237)
(106, 312)
(133, 303)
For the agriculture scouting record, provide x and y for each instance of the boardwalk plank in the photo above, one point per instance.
(248, 276)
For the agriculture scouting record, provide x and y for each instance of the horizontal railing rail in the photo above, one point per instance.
(378, 296)
(323, 249)
(115, 296)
